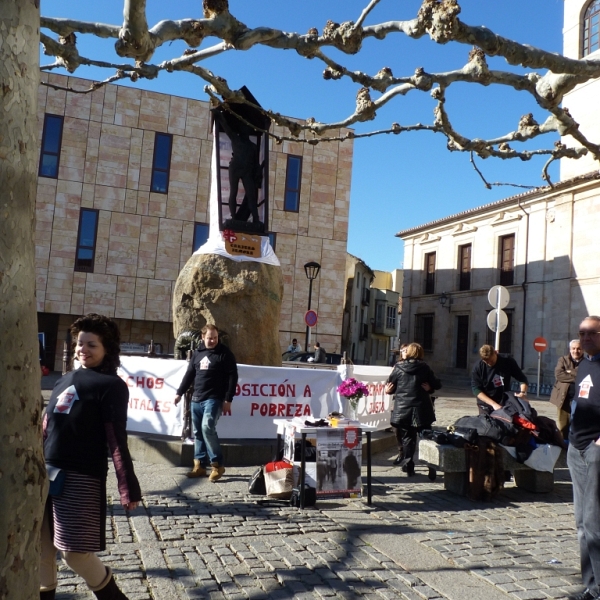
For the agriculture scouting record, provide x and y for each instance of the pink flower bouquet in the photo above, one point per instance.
(353, 390)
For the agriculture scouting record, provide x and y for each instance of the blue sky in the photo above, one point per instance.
(400, 181)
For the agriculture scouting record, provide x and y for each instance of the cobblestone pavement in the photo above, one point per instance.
(195, 539)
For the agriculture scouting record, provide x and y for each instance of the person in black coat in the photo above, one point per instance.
(411, 382)
(213, 373)
(84, 422)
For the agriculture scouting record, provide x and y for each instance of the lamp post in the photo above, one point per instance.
(445, 298)
(312, 271)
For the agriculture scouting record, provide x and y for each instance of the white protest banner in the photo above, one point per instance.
(152, 384)
(262, 394)
(267, 393)
(375, 408)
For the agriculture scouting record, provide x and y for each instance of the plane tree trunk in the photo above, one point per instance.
(22, 471)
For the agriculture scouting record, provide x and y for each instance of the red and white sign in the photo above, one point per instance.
(263, 393)
(310, 318)
(540, 344)
(375, 408)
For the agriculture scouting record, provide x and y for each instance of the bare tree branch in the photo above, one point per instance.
(436, 18)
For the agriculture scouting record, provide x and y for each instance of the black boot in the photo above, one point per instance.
(48, 594)
(110, 591)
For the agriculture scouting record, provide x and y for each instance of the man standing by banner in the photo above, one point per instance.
(213, 371)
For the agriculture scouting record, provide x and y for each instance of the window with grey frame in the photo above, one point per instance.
(161, 163)
(87, 234)
(51, 145)
(464, 267)
(293, 177)
(506, 252)
(591, 28)
(390, 317)
(429, 287)
(424, 331)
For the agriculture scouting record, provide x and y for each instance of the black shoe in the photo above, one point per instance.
(431, 473)
(585, 595)
(398, 460)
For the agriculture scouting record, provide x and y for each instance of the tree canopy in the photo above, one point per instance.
(545, 76)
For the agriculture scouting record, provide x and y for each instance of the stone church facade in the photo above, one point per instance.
(541, 245)
(122, 202)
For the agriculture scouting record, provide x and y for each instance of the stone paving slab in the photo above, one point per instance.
(194, 539)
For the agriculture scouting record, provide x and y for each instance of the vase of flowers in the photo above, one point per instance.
(353, 390)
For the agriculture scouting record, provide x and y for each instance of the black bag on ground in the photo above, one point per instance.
(486, 426)
(310, 496)
(459, 436)
(257, 485)
(439, 437)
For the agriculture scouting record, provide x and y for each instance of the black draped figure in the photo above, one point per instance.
(244, 166)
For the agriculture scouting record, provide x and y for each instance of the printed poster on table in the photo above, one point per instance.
(339, 459)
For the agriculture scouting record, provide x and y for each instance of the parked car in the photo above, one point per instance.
(332, 359)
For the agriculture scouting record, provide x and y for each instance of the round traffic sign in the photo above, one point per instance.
(498, 296)
(540, 344)
(310, 318)
(502, 321)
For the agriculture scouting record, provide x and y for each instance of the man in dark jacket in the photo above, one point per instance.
(213, 371)
(491, 377)
(564, 388)
(583, 457)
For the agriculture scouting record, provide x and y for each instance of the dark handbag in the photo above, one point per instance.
(257, 485)
(469, 435)
(439, 437)
(310, 496)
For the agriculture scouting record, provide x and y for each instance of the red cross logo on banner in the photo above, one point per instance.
(350, 437)
(229, 235)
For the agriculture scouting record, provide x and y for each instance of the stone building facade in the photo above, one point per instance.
(122, 199)
(371, 313)
(539, 245)
(581, 38)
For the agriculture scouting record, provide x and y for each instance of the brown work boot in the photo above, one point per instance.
(198, 470)
(217, 471)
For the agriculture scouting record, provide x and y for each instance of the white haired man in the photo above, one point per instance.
(564, 388)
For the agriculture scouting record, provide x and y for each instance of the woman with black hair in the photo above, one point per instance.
(86, 414)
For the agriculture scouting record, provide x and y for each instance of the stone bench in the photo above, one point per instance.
(452, 462)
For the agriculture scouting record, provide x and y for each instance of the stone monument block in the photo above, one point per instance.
(243, 299)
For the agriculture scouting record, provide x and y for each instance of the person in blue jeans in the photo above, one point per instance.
(213, 372)
(583, 457)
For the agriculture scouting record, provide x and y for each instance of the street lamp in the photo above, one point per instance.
(312, 271)
(446, 298)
